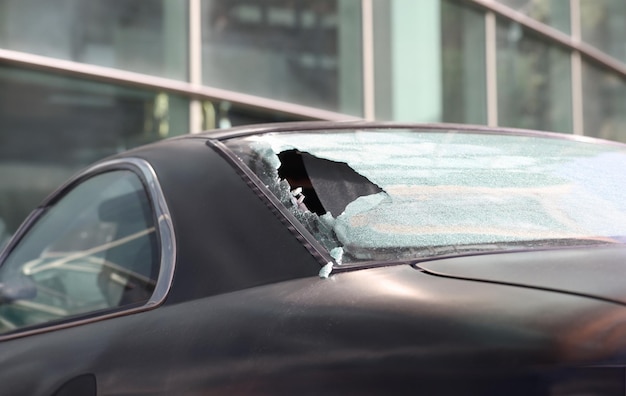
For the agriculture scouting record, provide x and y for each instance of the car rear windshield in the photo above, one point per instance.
(389, 195)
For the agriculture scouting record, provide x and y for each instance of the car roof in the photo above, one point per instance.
(223, 229)
(312, 126)
(235, 224)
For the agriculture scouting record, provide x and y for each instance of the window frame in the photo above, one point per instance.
(165, 237)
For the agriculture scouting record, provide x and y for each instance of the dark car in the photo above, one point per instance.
(326, 258)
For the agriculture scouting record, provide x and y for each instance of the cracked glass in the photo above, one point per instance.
(381, 195)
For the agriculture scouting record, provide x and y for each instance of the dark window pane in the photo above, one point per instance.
(51, 126)
(463, 64)
(307, 52)
(604, 103)
(603, 25)
(534, 81)
(143, 36)
(223, 114)
(555, 13)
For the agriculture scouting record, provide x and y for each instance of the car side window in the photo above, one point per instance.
(93, 250)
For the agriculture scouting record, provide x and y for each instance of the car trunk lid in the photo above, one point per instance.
(598, 272)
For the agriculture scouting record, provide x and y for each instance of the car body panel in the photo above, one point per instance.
(355, 331)
(597, 272)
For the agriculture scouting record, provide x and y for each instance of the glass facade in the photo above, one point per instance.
(556, 65)
(554, 13)
(605, 103)
(603, 25)
(464, 98)
(306, 52)
(51, 126)
(534, 81)
(224, 114)
(143, 36)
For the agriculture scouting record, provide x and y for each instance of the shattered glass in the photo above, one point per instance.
(265, 163)
(447, 192)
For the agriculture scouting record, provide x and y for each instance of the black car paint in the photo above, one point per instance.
(596, 273)
(247, 314)
(227, 237)
(379, 330)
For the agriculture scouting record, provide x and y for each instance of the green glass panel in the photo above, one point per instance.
(604, 103)
(463, 64)
(554, 13)
(143, 36)
(603, 25)
(534, 81)
(51, 126)
(306, 52)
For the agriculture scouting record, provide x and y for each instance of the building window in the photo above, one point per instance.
(51, 126)
(463, 64)
(554, 13)
(602, 25)
(534, 81)
(604, 103)
(143, 36)
(305, 52)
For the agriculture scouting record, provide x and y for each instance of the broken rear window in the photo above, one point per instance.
(379, 195)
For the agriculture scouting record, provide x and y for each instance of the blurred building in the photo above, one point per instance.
(81, 80)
